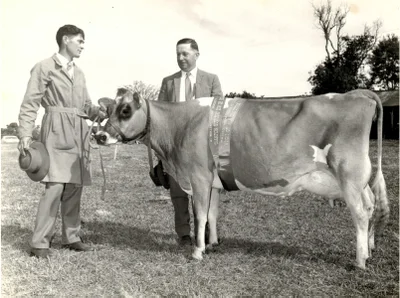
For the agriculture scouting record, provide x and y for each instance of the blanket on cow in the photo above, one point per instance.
(222, 114)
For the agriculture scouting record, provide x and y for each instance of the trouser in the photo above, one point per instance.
(180, 200)
(70, 198)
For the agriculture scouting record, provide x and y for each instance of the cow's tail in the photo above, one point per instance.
(381, 210)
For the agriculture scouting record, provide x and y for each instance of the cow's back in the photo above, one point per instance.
(272, 141)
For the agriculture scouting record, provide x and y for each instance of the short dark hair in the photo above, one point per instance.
(192, 42)
(68, 30)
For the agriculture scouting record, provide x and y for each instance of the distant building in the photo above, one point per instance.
(390, 103)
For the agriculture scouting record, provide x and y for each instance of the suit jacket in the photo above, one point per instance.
(64, 129)
(207, 85)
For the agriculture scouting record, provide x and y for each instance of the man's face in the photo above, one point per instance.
(75, 45)
(186, 57)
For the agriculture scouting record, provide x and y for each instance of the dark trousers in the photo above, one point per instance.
(180, 201)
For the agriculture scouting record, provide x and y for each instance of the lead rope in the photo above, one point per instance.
(103, 188)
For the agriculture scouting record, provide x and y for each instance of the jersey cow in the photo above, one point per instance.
(276, 147)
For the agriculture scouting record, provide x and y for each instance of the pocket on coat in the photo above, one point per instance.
(63, 132)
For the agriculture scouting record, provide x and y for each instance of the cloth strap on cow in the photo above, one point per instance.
(146, 132)
(222, 114)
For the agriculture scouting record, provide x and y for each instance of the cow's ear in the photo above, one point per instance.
(136, 100)
(105, 102)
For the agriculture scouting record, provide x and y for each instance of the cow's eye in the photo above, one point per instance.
(125, 111)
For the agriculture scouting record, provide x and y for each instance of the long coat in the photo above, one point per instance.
(207, 84)
(64, 130)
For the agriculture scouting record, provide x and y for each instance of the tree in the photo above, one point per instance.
(36, 133)
(146, 91)
(343, 67)
(329, 19)
(10, 130)
(384, 64)
(244, 94)
(344, 72)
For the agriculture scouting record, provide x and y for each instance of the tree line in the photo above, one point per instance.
(12, 130)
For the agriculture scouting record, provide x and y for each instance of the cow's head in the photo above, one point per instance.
(127, 118)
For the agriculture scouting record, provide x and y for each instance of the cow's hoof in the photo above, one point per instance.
(197, 254)
(360, 265)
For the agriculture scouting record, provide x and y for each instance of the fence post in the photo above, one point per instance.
(115, 152)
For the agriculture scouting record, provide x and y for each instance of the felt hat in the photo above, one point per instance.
(159, 177)
(36, 162)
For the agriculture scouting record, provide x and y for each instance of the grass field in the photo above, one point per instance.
(297, 246)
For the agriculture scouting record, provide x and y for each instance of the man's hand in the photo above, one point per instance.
(105, 109)
(102, 114)
(24, 144)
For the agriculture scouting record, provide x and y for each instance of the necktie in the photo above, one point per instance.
(70, 69)
(188, 88)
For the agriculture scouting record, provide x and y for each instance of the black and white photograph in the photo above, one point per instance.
(199, 148)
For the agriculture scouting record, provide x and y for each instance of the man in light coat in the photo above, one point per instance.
(187, 84)
(59, 86)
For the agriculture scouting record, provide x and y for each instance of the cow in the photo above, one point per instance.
(276, 147)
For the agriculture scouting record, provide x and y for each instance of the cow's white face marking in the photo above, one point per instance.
(205, 101)
(330, 95)
(320, 154)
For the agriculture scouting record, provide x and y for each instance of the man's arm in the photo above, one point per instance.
(163, 95)
(30, 105)
(216, 87)
(90, 109)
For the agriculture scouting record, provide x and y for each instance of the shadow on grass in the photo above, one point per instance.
(277, 249)
(119, 235)
(15, 236)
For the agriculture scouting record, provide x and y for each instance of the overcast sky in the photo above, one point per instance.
(265, 47)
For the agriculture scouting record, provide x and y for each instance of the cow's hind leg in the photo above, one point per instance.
(213, 217)
(369, 202)
(354, 175)
(360, 218)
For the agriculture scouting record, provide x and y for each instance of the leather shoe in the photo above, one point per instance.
(78, 246)
(40, 253)
(185, 241)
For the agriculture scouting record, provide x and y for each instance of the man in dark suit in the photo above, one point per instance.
(187, 84)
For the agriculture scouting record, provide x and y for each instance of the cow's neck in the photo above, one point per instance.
(168, 122)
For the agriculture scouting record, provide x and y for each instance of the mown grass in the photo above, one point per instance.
(270, 246)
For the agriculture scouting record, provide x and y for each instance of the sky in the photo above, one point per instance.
(266, 47)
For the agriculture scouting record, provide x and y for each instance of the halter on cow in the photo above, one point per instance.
(319, 144)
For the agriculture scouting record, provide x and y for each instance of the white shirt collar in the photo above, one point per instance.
(193, 73)
(64, 61)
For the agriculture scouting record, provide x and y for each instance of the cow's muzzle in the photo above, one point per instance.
(101, 138)
(104, 138)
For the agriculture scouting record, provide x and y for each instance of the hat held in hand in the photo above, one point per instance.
(36, 162)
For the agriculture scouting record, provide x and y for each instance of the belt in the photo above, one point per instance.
(76, 111)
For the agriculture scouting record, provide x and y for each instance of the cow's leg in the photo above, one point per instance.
(201, 203)
(369, 203)
(354, 201)
(354, 175)
(213, 216)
